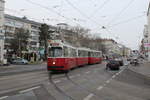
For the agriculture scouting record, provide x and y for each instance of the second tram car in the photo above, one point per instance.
(82, 56)
(94, 57)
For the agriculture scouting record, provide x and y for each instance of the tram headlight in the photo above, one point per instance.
(53, 62)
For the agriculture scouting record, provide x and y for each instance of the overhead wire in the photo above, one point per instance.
(124, 21)
(19, 13)
(83, 14)
(99, 8)
(107, 30)
(51, 10)
(127, 20)
(121, 12)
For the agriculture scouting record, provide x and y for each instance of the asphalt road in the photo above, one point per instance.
(85, 83)
(17, 69)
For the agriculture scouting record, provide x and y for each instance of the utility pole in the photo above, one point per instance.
(2, 3)
(19, 47)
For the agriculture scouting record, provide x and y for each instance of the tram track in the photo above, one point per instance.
(66, 75)
(78, 85)
(51, 80)
(54, 79)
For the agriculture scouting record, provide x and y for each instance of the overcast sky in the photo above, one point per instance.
(124, 19)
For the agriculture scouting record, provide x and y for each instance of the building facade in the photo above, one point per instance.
(12, 23)
(145, 43)
(2, 2)
(114, 48)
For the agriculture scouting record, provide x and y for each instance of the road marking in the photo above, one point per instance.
(30, 89)
(108, 81)
(3, 97)
(113, 76)
(72, 76)
(87, 72)
(89, 97)
(100, 87)
(57, 81)
(117, 73)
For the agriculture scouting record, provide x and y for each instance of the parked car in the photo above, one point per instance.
(113, 64)
(120, 61)
(20, 61)
(134, 62)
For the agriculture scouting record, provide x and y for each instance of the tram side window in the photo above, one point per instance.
(79, 53)
(73, 52)
(97, 54)
(100, 54)
(82, 53)
(55, 52)
(65, 52)
(92, 54)
(86, 53)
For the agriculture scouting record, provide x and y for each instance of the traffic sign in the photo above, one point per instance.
(147, 44)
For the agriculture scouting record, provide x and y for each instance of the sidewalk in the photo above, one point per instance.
(142, 68)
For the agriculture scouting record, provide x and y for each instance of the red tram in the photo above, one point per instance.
(63, 57)
(94, 57)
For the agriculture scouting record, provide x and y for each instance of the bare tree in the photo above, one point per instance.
(20, 41)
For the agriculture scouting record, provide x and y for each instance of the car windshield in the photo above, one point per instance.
(112, 61)
(55, 52)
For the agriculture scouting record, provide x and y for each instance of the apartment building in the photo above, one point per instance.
(12, 23)
(114, 48)
(145, 43)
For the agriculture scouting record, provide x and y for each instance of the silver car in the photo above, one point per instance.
(20, 61)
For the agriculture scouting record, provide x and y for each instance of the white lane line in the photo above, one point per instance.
(108, 81)
(87, 72)
(4, 97)
(100, 87)
(30, 89)
(57, 81)
(113, 76)
(122, 70)
(117, 73)
(72, 76)
(89, 97)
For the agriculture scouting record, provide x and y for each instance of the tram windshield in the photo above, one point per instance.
(55, 52)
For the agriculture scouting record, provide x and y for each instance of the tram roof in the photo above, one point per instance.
(70, 46)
